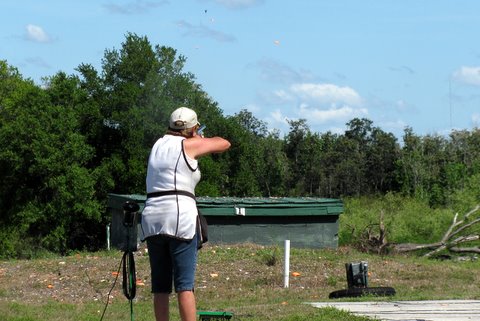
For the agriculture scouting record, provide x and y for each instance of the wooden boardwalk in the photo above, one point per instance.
(444, 310)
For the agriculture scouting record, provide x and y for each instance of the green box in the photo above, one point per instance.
(307, 222)
(214, 315)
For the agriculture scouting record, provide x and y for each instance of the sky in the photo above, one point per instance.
(408, 63)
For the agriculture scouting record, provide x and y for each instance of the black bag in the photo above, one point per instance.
(202, 229)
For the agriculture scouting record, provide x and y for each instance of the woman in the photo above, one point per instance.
(169, 218)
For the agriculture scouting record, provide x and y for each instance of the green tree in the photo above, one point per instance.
(140, 85)
(411, 172)
(435, 161)
(89, 135)
(354, 166)
(47, 188)
(382, 156)
(246, 164)
(423, 167)
(251, 124)
(360, 162)
(274, 178)
(350, 167)
(464, 157)
(312, 148)
(296, 150)
(330, 156)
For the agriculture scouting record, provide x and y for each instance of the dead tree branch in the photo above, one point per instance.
(451, 239)
(370, 241)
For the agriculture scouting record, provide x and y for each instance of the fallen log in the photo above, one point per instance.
(450, 240)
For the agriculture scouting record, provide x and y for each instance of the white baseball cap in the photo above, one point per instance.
(183, 118)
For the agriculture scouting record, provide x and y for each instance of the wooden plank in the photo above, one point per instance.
(443, 310)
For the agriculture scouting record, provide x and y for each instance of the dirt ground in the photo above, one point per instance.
(224, 272)
(73, 279)
(84, 278)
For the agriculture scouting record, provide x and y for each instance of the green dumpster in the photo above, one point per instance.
(306, 222)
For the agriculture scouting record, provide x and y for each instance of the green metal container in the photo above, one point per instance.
(214, 315)
(306, 222)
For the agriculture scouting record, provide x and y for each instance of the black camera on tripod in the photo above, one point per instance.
(130, 213)
(130, 222)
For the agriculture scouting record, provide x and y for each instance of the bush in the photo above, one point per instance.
(405, 219)
(14, 245)
(463, 200)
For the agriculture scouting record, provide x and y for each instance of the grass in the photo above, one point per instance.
(246, 280)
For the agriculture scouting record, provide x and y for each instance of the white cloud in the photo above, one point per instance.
(393, 125)
(255, 109)
(278, 117)
(322, 116)
(401, 104)
(322, 105)
(318, 103)
(37, 34)
(326, 94)
(276, 121)
(277, 97)
(337, 130)
(468, 75)
(476, 120)
(282, 95)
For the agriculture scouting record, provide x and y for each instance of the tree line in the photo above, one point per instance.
(76, 138)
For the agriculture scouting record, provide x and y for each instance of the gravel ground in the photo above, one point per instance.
(72, 279)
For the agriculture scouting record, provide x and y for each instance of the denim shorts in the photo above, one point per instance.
(172, 260)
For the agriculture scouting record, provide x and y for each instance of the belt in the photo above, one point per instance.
(164, 193)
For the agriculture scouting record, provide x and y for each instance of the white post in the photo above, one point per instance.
(286, 267)
(108, 237)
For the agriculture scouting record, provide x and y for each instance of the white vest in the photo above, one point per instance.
(170, 169)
